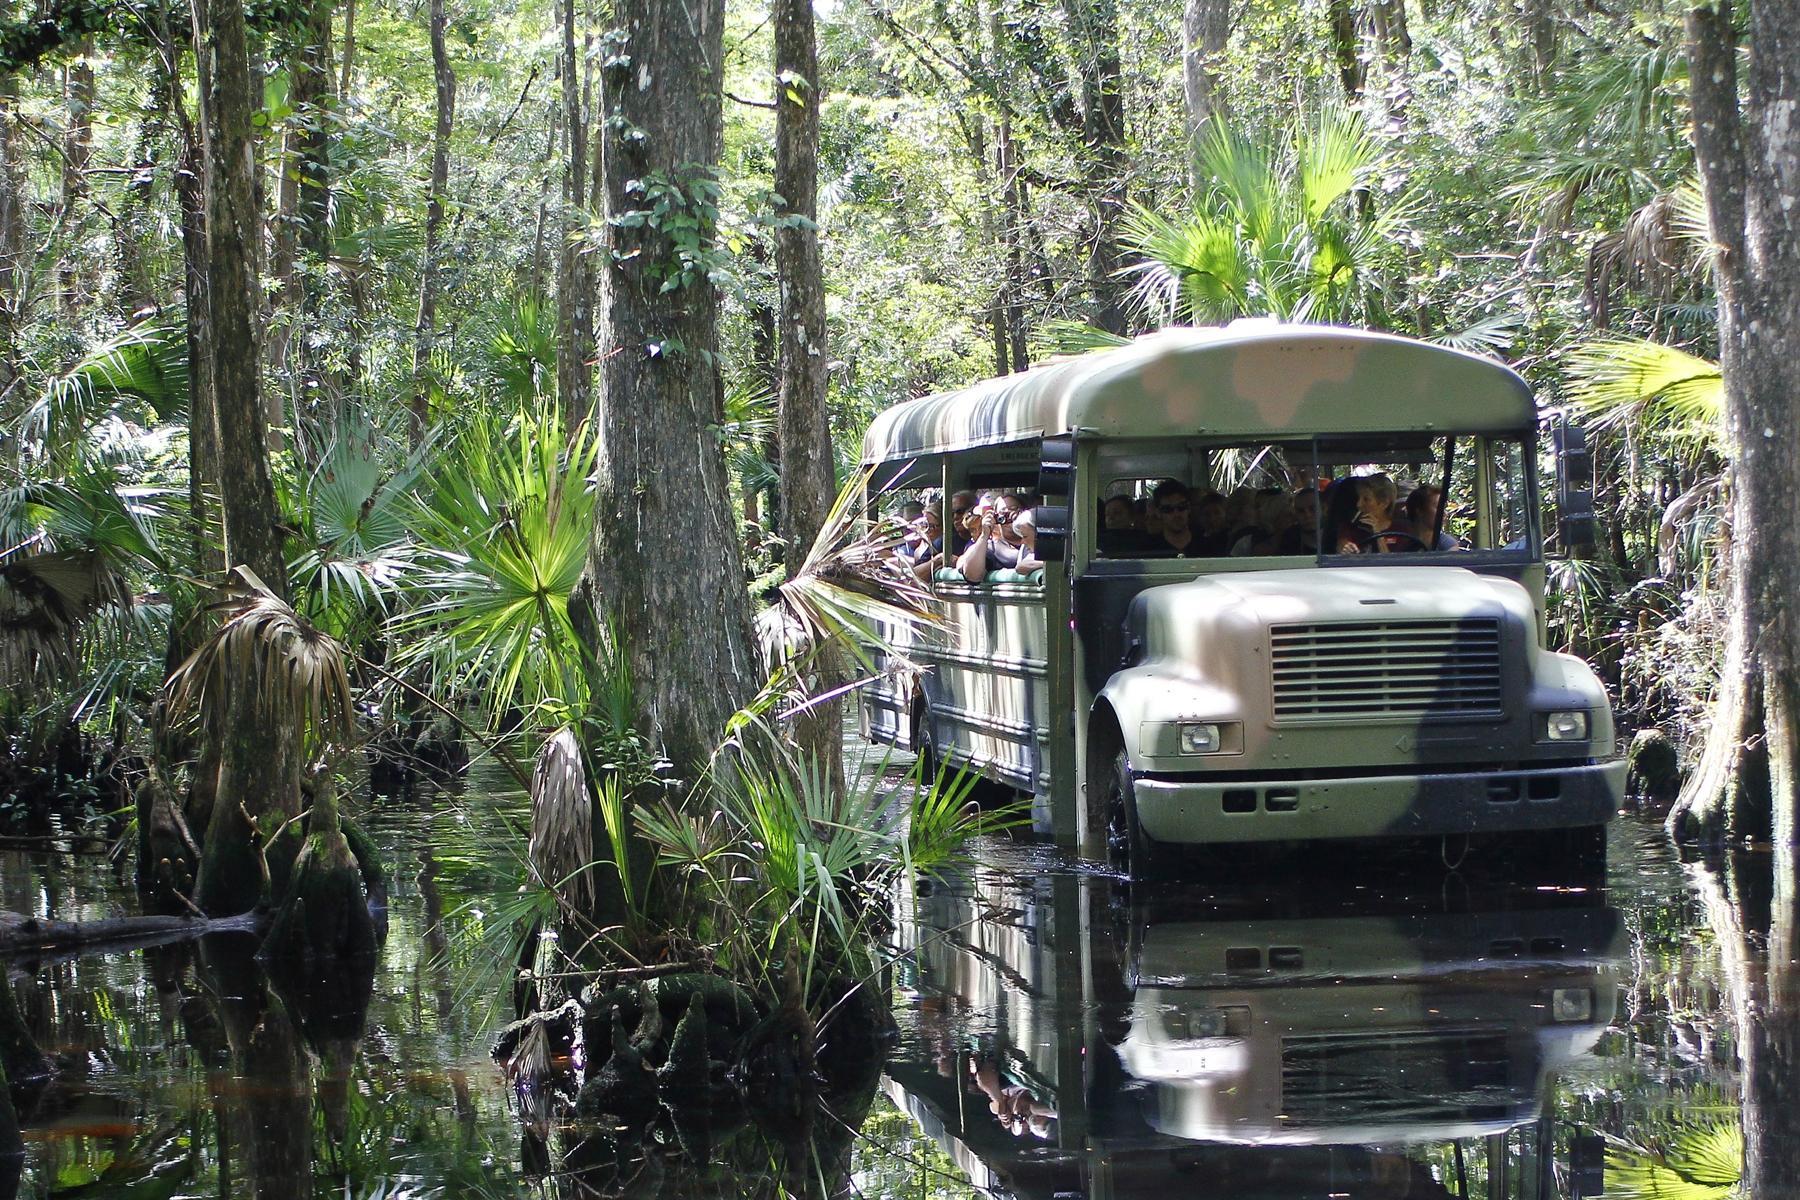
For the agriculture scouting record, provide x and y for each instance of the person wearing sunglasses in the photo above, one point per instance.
(1174, 538)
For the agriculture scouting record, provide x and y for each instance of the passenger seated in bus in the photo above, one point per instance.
(962, 506)
(992, 549)
(1422, 505)
(1175, 535)
(1025, 529)
(1274, 514)
(1210, 525)
(1240, 514)
(1302, 537)
(926, 555)
(1362, 513)
(1120, 536)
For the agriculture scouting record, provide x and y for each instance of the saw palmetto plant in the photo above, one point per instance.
(1276, 228)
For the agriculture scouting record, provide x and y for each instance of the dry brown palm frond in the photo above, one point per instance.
(1662, 247)
(296, 671)
(45, 596)
(562, 823)
(846, 588)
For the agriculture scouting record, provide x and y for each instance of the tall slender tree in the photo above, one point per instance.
(575, 284)
(259, 770)
(666, 565)
(12, 231)
(1747, 141)
(1094, 30)
(77, 149)
(808, 481)
(1205, 28)
(425, 333)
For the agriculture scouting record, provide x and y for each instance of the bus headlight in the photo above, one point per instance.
(1200, 739)
(1568, 1005)
(1569, 726)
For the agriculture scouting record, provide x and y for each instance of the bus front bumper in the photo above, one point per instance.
(1200, 809)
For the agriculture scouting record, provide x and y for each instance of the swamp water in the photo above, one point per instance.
(1301, 1035)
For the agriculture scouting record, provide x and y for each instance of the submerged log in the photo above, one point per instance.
(21, 934)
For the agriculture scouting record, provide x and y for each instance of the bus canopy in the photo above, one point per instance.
(1251, 378)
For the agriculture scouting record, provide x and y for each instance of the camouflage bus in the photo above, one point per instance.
(1350, 675)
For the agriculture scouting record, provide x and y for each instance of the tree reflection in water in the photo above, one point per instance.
(1753, 907)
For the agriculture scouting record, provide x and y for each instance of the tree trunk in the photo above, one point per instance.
(1013, 236)
(12, 233)
(1205, 26)
(808, 476)
(665, 557)
(1346, 48)
(349, 58)
(1094, 28)
(77, 149)
(133, 234)
(575, 345)
(1393, 50)
(12, 1145)
(312, 99)
(1750, 165)
(1750, 906)
(259, 771)
(426, 330)
(1540, 33)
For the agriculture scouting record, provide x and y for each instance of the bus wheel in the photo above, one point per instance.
(1128, 850)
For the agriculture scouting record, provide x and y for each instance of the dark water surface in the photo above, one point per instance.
(1308, 1029)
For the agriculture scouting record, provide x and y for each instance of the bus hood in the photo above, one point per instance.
(1308, 595)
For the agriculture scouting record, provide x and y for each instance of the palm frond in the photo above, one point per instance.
(1704, 1162)
(1063, 338)
(1244, 178)
(1489, 335)
(294, 671)
(562, 822)
(1336, 154)
(505, 527)
(146, 363)
(1195, 271)
(1630, 379)
(846, 587)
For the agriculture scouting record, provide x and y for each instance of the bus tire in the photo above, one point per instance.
(1129, 851)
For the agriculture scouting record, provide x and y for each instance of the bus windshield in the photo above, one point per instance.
(1321, 497)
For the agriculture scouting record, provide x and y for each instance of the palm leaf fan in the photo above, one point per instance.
(1616, 380)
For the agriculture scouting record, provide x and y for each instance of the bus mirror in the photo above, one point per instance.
(1056, 468)
(1052, 532)
(1056, 474)
(1576, 524)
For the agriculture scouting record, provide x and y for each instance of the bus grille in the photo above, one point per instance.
(1346, 670)
(1403, 1077)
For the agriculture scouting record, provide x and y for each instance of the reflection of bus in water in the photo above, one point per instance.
(1329, 669)
(1066, 1049)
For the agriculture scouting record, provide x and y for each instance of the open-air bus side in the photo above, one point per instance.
(1145, 699)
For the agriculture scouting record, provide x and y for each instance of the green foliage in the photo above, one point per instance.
(138, 374)
(1631, 380)
(1701, 1162)
(683, 208)
(504, 528)
(1275, 229)
(351, 515)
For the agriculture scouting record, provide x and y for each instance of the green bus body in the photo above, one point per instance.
(1350, 696)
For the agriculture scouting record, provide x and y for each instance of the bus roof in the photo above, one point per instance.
(1252, 378)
